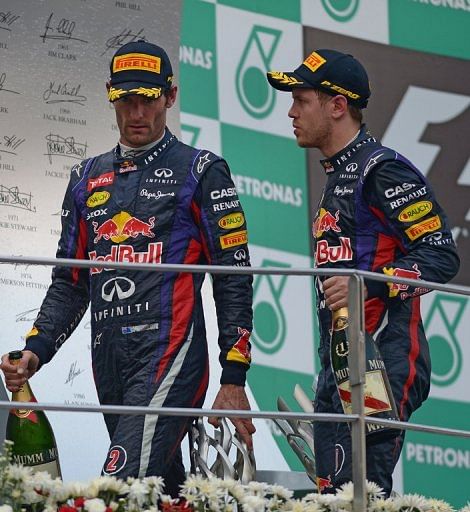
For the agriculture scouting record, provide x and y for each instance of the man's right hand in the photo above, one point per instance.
(16, 375)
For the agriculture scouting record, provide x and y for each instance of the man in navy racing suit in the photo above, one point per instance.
(152, 199)
(377, 213)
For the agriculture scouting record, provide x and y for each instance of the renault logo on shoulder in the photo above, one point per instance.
(117, 287)
(163, 173)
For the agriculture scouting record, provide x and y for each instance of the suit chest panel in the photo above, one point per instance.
(135, 207)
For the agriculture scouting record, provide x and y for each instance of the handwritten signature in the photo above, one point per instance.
(126, 36)
(63, 93)
(27, 316)
(64, 146)
(25, 265)
(61, 31)
(7, 19)
(11, 196)
(10, 144)
(74, 372)
(3, 78)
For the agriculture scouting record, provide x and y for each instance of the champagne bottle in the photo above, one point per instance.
(32, 435)
(378, 396)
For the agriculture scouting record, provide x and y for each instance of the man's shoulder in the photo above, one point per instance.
(379, 158)
(79, 169)
(203, 159)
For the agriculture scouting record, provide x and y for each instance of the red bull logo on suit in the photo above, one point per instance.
(122, 226)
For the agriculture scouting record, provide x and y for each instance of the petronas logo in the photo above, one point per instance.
(441, 326)
(341, 10)
(269, 330)
(254, 92)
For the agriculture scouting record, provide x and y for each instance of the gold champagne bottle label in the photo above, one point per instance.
(340, 319)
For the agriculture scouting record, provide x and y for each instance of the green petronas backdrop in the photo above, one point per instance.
(226, 48)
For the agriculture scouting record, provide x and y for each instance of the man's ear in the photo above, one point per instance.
(171, 96)
(339, 106)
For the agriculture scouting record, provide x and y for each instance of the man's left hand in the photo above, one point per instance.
(231, 396)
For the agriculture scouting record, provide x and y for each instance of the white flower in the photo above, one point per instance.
(281, 492)
(95, 505)
(466, 508)
(75, 489)
(438, 506)
(296, 506)
(18, 473)
(191, 484)
(113, 505)
(155, 486)
(138, 492)
(258, 488)
(311, 496)
(209, 488)
(383, 505)
(373, 490)
(105, 484)
(5, 508)
(190, 498)
(411, 501)
(327, 500)
(253, 503)
(346, 492)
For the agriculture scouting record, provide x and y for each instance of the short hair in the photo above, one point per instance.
(355, 112)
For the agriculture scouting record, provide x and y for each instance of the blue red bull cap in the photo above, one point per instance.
(329, 71)
(141, 68)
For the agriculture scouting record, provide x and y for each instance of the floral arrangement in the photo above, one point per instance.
(22, 489)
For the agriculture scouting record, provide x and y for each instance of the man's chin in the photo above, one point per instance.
(138, 140)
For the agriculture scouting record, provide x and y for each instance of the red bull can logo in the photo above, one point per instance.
(395, 288)
(325, 221)
(127, 166)
(241, 351)
(324, 483)
(121, 227)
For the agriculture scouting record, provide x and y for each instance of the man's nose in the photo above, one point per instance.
(137, 110)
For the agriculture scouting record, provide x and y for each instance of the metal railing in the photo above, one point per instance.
(356, 356)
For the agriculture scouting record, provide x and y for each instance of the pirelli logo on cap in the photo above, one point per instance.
(136, 61)
(425, 226)
(233, 239)
(314, 61)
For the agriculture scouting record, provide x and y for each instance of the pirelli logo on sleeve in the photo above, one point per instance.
(425, 226)
(137, 61)
(233, 239)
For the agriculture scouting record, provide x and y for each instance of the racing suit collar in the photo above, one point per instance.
(125, 164)
(338, 160)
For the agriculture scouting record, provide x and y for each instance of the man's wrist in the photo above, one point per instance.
(234, 373)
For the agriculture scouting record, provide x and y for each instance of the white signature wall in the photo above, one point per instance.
(54, 62)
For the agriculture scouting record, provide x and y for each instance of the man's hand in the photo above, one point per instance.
(17, 374)
(336, 292)
(231, 396)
